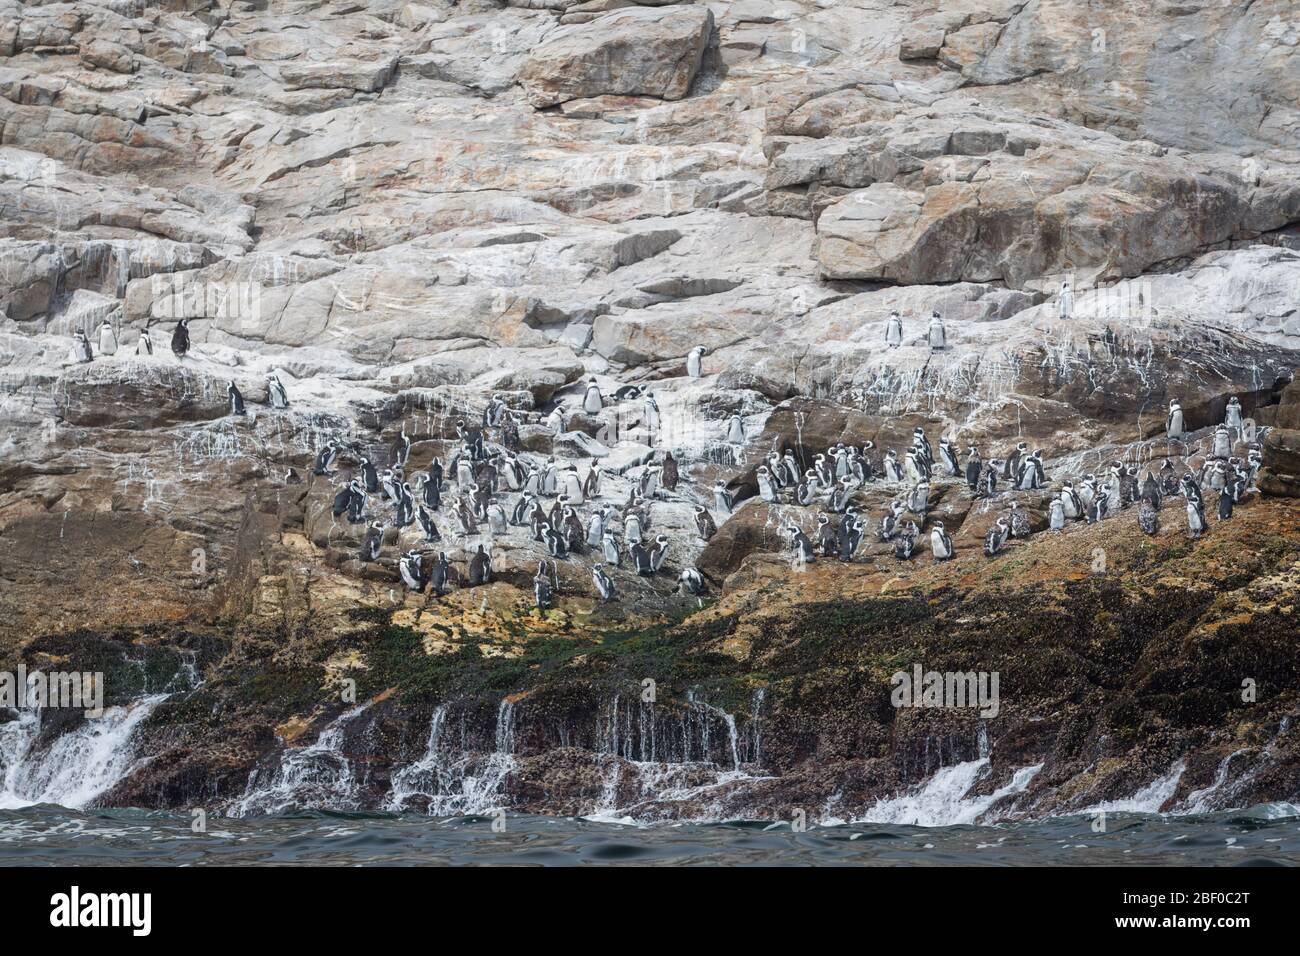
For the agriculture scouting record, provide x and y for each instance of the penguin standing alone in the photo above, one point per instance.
(181, 338)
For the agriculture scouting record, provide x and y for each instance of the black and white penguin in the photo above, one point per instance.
(889, 523)
(430, 491)
(369, 476)
(631, 527)
(1195, 517)
(851, 533)
(1056, 515)
(641, 561)
(893, 470)
(1098, 508)
(1148, 517)
(989, 481)
(722, 498)
(841, 495)
(357, 504)
(801, 544)
(553, 537)
(1168, 478)
(427, 524)
(325, 458)
(592, 402)
(401, 448)
(1221, 445)
(494, 412)
(1152, 493)
(236, 399)
(1191, 490)
(372, 541)
(974, 469)
(181, 338)
(918, 501)
(1232, 416)
(828, 538)
(519, 515)
(480, 567)
(542, 592)
(736, 430)
(1174, 421)
(411, 568)
(604, 583)
(905, 543)
(107, 338)
(659, 553)
(806, 489)
(1011, 464)
(996, 537)
(650, 411)
(609, 550)
(1226, 502)
(439, 573)
(1071, 505)
(342, 498)
(922, 446)
(894, 330)
(81, 350)
(766, 486)
(692, 580)
(704, 522)
(595, 528)
(940, 542)
(938, 337)
(144, 344)
(1017, 522)
(275, 391)
(948, 455)
(591, 483)
(695, 361)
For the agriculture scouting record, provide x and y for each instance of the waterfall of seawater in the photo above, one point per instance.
(78, 766)
(449, 780)
(319, 776)
(945, 799)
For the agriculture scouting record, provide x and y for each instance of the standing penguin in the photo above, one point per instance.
(802, 545)
(604, 583)
(592, 403)
(974, 468)
(1071, 504)
(1148, 518)
(439, 573)
(107, 339)
(371, 543)
(1232, 416)
(692, 580)
(412, 571)
(1226, 501)
(651, 415)
(181, 338)
(940, 542)
(695, 361)
(1065, 303)
(659, 552)
(325, 457)
(275, 391)
(766, 489)
(609, 549)
(480, 567)
(81, 351)
(144, 344)
(1174, 422)
(236, 399)
(668, 477)
(1056, 516)
(948, 456)
(542, 588)
(427, 524)
(894, 330)
(704, 522)
(1222, 444)
(938, 337)
(905, 543)
(736, 431)
(996, 537)
(1195, 517)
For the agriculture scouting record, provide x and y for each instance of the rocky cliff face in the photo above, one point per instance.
(402, 210)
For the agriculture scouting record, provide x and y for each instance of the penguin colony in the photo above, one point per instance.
(487, 481)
